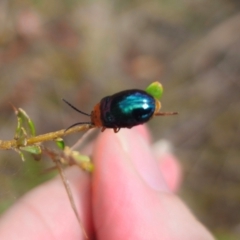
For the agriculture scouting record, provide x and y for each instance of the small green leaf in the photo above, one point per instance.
(60, 143)
(32, 149)
(21, 137)
(81, 158)
(32, 127)
(21, 154)
(155, 89)
(83, 161)
(26, 118)
(19, 126)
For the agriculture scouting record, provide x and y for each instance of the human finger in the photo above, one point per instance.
(131, 199)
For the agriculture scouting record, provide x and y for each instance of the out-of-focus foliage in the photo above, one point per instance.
(85, 50)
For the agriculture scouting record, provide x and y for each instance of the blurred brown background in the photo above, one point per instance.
(85, 50)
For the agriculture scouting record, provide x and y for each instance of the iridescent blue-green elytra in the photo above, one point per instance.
(124, 109)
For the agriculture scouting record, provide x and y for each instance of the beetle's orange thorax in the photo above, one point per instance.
(96, 116)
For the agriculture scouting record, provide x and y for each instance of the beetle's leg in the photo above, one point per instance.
(103, 128)
(116, 130)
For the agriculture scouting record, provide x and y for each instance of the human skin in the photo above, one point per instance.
(130, 195)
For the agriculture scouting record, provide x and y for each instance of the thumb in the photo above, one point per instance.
(130, 197)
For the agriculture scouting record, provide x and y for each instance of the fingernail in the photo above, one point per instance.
(142, 159)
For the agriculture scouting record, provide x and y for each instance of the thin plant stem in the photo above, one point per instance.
(70, 196)
(11, 144)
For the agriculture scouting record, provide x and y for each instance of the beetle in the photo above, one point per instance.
(124, 109)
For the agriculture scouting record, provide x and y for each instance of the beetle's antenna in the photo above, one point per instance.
(76, 108)
(165, 113)
(79, 123)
